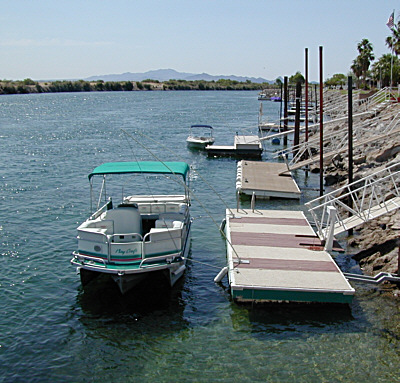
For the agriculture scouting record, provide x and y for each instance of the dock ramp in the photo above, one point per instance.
(359, 202)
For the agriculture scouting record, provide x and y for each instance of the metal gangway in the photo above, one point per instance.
(371, 197)
(337, 142)
(370, 106)
(356, 203)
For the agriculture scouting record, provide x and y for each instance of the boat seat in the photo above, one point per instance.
(126, 220)
(168, 223)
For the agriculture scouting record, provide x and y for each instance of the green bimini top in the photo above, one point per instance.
(154, 167)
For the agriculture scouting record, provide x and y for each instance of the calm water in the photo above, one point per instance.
(53, 331)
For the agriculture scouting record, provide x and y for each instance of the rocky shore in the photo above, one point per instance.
(377, 242)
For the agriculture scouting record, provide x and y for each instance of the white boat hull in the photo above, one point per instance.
(198, 143)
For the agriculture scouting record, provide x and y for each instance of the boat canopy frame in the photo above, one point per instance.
(202, 126)
(175, 168)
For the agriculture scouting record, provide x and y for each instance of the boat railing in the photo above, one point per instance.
(82, 258)
(167, 257)
(174, 236)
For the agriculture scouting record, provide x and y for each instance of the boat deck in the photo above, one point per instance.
(274, 255)
(266, 180)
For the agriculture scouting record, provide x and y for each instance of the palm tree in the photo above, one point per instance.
(385, 68)
(393, 42)
(365, 57)
(357, 69)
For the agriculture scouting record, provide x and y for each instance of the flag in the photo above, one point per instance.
(390, 22)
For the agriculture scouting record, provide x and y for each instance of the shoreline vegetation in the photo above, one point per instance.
(29, 86)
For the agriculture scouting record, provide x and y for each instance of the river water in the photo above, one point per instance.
(53, 331)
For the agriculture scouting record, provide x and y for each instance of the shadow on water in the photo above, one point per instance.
(288, 320)
(151, 306)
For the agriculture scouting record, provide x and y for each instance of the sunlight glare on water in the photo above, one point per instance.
(52, 330)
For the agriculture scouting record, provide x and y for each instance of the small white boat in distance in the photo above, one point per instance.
(197, 141)
(144, 234)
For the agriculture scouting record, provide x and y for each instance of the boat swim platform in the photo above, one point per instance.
(266, 180)
(275, 256)
(244, 147)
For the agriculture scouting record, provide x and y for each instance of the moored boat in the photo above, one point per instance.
(200, 141)
(143, 235)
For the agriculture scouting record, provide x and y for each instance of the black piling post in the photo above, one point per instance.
(306, 91)
(350, 140)
(285, 109)
(321, 127)
(297, 117)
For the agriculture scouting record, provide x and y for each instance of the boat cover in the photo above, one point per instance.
(155, 167)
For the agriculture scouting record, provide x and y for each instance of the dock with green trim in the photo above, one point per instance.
(275, 255)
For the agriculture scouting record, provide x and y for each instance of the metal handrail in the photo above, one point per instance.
(338, 140)
(83, 257)
(378, 184)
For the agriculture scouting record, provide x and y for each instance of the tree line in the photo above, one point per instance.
(30, 86)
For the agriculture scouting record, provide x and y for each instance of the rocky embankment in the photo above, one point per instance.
(377, 241)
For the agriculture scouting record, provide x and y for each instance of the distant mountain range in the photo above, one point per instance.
(171, 74)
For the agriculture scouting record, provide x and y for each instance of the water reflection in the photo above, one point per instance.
(289, 320)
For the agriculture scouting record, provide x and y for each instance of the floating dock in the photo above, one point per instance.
(244, 147)
(275, 255)
(264, 180)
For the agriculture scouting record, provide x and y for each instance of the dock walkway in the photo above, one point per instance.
(275, 255)
(264, 179)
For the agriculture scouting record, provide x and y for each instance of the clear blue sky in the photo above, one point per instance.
(68, 39)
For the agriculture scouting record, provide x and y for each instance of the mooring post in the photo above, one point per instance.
(350, 141)
(321, 127)
(306, 91)
(297, 118)
(306, 101)
(285, 109)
